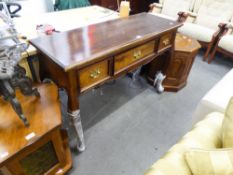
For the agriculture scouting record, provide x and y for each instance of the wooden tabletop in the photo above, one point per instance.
(42, 113)
(74, 48)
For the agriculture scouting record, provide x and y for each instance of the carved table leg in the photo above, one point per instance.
(159, 77)
(136, 83)
(74, 111)
(75, 121)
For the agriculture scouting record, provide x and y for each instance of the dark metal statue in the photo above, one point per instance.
(13, 76)
(8, 87)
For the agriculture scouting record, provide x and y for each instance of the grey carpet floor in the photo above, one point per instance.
(126, 130)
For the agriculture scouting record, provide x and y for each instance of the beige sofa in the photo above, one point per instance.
(203, 23)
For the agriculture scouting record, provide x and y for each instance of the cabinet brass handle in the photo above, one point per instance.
(166, 41)
(137, 54)
(95, 74)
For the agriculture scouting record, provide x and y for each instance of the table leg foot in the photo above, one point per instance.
(159, 77)
(77, 124)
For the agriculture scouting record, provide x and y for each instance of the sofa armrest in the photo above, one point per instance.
(230, 25)
(182, 16)
(191, 17)
(192, 14)
(205, 135)
(222, 30)
(230, 28)
(155, 8)
(186, 16)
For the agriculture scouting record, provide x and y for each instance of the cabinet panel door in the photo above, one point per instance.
(134, 5)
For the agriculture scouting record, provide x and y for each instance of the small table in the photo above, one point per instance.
(41, 148)
(177, 68)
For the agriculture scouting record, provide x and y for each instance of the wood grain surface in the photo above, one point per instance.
(42, 113)
(84, 45)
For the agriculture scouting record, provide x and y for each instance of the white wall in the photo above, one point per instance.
(33, 7)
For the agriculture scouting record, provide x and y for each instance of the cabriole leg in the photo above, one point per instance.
(75, 122)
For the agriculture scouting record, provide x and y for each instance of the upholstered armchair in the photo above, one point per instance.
(206, 134)
(224, 44)
(169, 8)
(206, 17)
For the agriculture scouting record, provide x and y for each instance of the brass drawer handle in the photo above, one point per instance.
(95, 74)
(166, 41)
(137, 54)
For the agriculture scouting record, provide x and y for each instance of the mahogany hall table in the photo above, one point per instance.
(81, 59)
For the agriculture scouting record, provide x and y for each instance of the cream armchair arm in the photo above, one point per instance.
(230, 28)
(156, 8)
(224, 29)
(191, 17)
(186, 16)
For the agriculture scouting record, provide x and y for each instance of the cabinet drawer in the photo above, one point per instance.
(125, 59)
(165, 41)
(93, 75)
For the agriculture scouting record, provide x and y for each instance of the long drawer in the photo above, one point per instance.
(122, 61)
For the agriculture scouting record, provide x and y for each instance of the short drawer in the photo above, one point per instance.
(165, 41)
(123, 60)
(93, 75)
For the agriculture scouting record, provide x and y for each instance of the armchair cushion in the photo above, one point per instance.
(226, 43)
(206, 135)
(197, 32)
(227, 129)
(209, 162)
(212, 14)
(164, 16)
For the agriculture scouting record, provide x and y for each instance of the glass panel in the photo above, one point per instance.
(40, 161)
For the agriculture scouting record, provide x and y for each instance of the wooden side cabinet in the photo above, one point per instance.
(176, 69)
(40, 149)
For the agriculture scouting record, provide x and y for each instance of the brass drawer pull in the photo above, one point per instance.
(137, 54)
(166, 41)
(95, 74)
